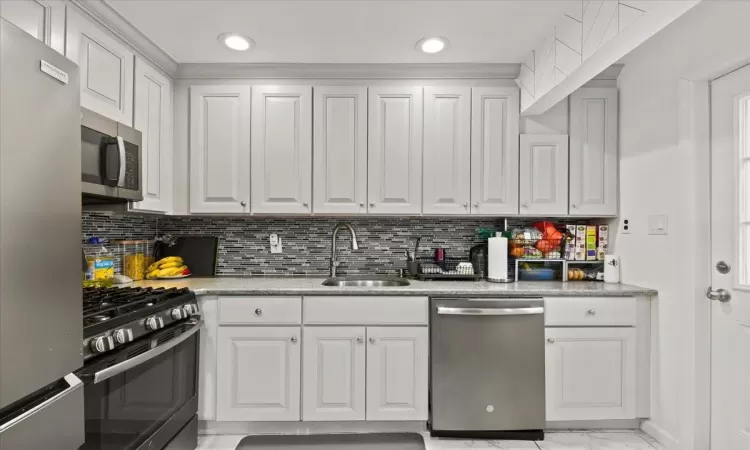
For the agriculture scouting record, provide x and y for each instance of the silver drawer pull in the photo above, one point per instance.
(294, 339)
(360, 340)
(592, 312)
(372, 340)
(443, 311)
(258, 312)
(551, 340)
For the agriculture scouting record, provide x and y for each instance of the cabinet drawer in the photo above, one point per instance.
(594, 311)
(260, 310)
(366, 310)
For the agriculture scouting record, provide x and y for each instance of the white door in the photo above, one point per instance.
(219, 149)
(544, 175)
(334, 374)
(730, 243)
(494, 150)
(106, 68)
(447, 150)
(281, 149)
(593, 152)
(340, 150)
(43, 19)
(395, 150)
(590, 373)
(153, 118)
(397, 368)
(258, 374)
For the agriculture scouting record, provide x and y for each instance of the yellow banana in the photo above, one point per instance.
(152, 274)
(153, 267)
(168, 259)
(170, 264)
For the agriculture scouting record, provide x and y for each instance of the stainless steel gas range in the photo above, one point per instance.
(140, 371)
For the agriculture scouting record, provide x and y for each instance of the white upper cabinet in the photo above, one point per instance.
(494, 150)
(258, 374)
(397, 373)
(106, 68)
(395, 150)
(219, 149)
(153, 118)
(593, 152)
(43, 19)
(591, 373)
(447, 150)
(340, 150)
(334, 374)
(544, 175)
(281, 149)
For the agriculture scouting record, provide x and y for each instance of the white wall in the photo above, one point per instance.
(664, 169)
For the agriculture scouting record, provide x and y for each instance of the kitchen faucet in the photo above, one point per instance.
(355, 246)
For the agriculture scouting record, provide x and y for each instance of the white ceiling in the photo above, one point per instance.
(345, 31)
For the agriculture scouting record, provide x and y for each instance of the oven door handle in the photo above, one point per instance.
(443, 311)
(117, 369)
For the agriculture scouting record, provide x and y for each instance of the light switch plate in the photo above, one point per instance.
(658, 224)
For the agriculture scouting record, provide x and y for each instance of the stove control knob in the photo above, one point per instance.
(101, 344)
(123, 335)
(154, 323)
(187, 311)
(177, 314)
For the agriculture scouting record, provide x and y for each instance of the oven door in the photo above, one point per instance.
(143, 395)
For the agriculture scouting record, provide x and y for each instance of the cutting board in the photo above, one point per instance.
(198, 252)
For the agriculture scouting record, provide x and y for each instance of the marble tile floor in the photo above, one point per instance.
(562, 440)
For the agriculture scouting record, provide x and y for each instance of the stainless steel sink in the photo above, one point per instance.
(365, 281)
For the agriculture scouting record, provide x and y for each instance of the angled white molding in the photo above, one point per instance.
(609, 30)
(108, 17)
(347, 71)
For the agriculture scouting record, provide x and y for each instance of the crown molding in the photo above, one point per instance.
(108, 17)
(347, 71)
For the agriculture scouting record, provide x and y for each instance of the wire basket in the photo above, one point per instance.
(536, 248)
(448, 269)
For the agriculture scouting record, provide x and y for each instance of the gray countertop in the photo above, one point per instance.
(312, 286)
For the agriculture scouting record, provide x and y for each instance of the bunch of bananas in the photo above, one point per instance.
(171, 266)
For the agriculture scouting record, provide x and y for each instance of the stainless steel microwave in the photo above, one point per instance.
(110, 160)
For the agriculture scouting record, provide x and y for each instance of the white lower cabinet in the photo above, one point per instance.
(397, 368)
(591, 373)
(333, 373)
(258, 374)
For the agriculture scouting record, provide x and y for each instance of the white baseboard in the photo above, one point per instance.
(207, 427)
(625, 424)
(654, 430)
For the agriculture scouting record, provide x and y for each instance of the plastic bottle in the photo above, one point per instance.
(100, 271)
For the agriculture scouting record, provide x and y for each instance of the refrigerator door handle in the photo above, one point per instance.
(74, 383)
(444, 311)
(123, 161)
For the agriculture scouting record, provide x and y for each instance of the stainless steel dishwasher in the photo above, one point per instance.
(487, 368)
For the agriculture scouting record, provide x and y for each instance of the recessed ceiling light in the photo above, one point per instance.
(432, 45)
(235, 41)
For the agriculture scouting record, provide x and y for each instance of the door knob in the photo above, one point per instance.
(723, 267)
(721, 295)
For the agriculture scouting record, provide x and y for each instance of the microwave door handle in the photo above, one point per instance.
(109, 177)
(123, 165)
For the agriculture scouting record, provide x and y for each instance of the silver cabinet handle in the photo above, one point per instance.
(243, 203)
(304, 204)
(360, 340)
(551, 340)
(575, 205)
(443, 311)
(372, 204)
(123, 161)
(372, 340)
(721, 295)
(258, 312)
(294, 339)
(525, 204)
(466, 204)
(362, 204)
(476, 204)
(592, 312)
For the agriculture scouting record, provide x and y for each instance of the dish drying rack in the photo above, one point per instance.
(449, 269)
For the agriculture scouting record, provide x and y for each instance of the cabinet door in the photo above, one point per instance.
(219, 149)
(153, 118)
(447, 150)
(544, 174)
(590, 373)
(397, 368)
(340, 150)
(334, 374)
(593, 152)
(258, 374)
(106, 68)
(281, 163)
(43, 19)
(494, 150)
(395, 150)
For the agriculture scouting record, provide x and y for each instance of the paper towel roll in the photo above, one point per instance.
(497, 259)
(611, 269)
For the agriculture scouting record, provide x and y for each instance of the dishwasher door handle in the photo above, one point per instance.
(445, 311)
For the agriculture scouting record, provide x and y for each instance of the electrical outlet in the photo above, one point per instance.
(275, 242)
(626, 226)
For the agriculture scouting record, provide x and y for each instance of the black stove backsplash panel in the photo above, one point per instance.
(244, 248)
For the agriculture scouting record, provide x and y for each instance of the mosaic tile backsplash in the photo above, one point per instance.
(244, 248)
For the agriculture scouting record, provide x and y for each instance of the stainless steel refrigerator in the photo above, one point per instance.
(41, 401)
